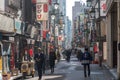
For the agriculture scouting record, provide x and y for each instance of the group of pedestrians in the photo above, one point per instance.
(84, 57)
(40, 61)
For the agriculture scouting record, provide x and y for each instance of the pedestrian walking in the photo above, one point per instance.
(52, 58)
(39, 58)
(58, 56)
(86, 60)
(79, 53)
(68, 54)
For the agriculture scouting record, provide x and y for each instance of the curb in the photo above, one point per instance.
(111, 71)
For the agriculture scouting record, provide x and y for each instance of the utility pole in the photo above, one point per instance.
(100, 43)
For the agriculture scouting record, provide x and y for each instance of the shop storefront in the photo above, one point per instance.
(7, 30)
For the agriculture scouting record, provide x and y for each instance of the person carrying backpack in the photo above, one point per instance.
(86, 59)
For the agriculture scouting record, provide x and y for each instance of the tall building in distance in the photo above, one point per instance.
(63, 6)
(77, 20)
(68, 33)
(77, 9)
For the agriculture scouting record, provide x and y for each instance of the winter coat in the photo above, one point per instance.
(52, 58)
(86, 58)
(39, 58)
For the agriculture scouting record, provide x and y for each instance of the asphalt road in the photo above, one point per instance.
(73, 70)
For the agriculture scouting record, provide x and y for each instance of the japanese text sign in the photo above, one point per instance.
(42, 11)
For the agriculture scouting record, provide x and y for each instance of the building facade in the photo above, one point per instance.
(113, 39)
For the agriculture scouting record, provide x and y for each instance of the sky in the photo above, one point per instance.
(69, 4)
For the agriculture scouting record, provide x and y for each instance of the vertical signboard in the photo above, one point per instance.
(56, 31)
(2, 5)
(102, 7)
(18, 26)
(42, 1)
(42, 10)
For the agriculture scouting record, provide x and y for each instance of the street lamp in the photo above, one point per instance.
(56, 5)
(53, 17)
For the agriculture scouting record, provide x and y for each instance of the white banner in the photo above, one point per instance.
(42, 11)
(42, 1)
(6, 24)
(33, 32)
(56, 31)
(2, 5)
(102, 7)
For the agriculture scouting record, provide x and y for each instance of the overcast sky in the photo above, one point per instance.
(69, 4)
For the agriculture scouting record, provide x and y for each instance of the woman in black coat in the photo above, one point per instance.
(52, 58)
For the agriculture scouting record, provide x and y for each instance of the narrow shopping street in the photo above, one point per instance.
(73, 70)
(36, 33)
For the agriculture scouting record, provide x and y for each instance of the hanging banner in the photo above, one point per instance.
(103, 8)
(2, 5)
(18, 26)
(56, 31)
(6, 24)
(42, 1)
(42, 11)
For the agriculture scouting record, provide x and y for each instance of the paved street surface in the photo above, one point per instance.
(73, 70)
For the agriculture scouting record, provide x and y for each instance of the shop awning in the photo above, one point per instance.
(6, 24)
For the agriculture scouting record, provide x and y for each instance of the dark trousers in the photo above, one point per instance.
(39, 69)
(52, 65)
(86, 66)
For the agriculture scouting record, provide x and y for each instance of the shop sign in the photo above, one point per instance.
(18, 26)
(11, 38)
(56, 31)
(2, 5)
(42, 1)
(6, 24)
(42, 11)
(96, 11)
(103, 7)
(33, 32)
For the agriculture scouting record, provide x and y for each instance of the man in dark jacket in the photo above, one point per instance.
(52, 58)
(86, 60)
(39, 58)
